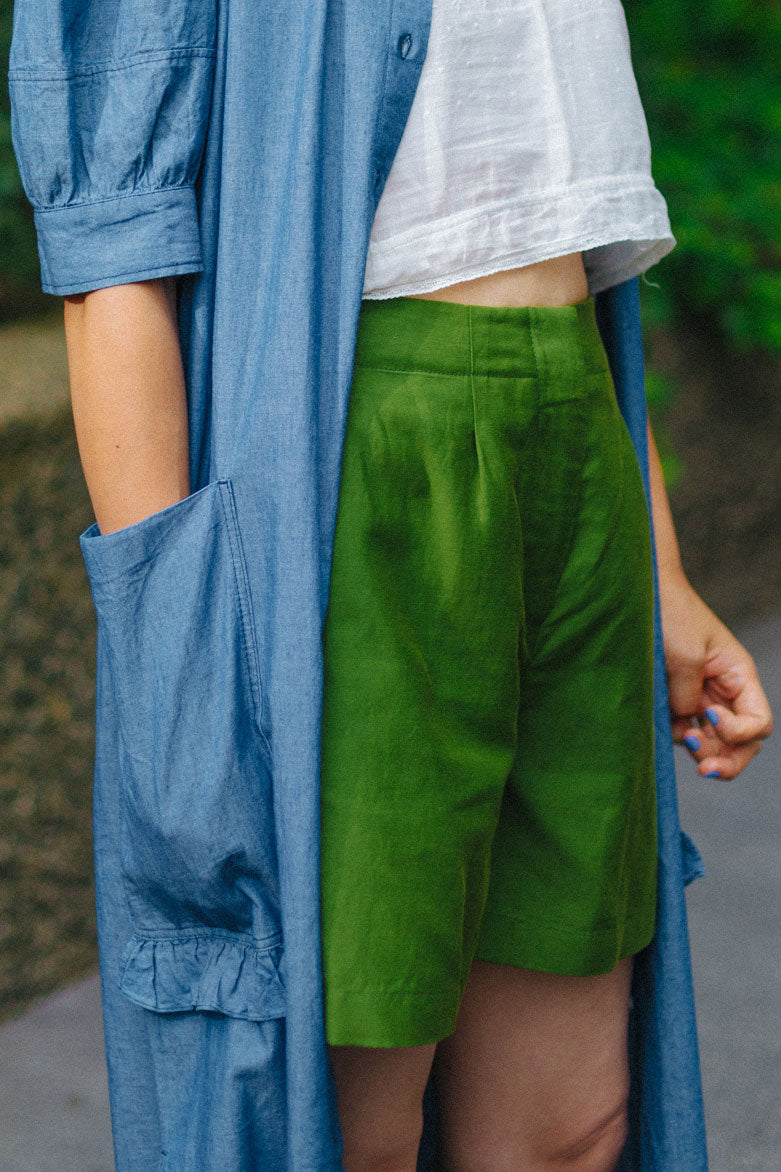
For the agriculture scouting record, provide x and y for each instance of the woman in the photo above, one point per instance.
(488, 785)
(211, 364)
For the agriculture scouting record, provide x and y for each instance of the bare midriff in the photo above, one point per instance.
(558, 281)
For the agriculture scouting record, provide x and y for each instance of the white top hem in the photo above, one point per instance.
(621, 230)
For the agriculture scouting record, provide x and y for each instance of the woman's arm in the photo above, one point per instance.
(128, 397)
(668, 555)
(710, 674)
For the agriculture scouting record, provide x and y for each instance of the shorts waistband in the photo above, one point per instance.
(447, 337)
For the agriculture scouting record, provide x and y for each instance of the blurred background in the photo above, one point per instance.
(708, 77)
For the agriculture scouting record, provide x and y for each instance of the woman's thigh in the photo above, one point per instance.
(380, 1100)
(536, 1073)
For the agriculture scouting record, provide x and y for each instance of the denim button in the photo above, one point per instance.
(405, 43)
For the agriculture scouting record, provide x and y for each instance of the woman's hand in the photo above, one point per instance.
(718, 707)
(711, 677)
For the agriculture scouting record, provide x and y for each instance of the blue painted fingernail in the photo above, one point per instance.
(712, 715)
(713, 773)
(691, 743)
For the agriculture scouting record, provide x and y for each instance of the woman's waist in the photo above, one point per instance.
(443, 336)
(559, 280)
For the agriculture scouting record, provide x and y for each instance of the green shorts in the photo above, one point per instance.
(488, 785)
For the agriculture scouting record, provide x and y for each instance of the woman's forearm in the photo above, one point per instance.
(668, 556)
(128, 397)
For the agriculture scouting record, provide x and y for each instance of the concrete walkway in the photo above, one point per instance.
(53, 1089)
(53, 1094)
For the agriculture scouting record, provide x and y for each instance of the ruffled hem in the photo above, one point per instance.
(209, 971)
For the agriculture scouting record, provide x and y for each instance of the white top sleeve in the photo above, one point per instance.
(526, 140)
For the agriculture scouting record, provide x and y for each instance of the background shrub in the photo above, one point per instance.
(708, 76)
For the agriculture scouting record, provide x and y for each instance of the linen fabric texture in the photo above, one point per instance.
(526, 140)
(244, 146)
(487, 778)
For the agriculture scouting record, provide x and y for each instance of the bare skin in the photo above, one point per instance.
(128, 397)
(535, 1075)
(558, 281)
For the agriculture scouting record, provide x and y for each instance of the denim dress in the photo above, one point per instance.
(243, 145)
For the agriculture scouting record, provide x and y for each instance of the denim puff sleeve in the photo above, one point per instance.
(110, 102)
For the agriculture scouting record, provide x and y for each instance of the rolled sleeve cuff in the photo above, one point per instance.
(115, 241)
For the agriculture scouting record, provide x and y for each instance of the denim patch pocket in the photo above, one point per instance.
(179, 668)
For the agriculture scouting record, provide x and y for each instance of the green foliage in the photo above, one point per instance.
(708, 77)
(20, 289)
(47, 700)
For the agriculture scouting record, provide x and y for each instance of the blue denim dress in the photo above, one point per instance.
(244, 144)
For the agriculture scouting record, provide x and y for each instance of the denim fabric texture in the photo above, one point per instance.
(244, 145)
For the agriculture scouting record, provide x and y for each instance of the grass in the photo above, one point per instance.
(47, 916)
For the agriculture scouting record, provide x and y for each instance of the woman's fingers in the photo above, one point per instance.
(722, 739)
(702, 742)
(748, 719)
(712, 754)
(718, 707)
(727, 762)
(695, 734)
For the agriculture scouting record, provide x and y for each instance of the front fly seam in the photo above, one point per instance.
(474, 397)
(538, 365)
(472, 371)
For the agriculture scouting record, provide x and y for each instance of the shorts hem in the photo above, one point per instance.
(382, 1017)
(508, 939)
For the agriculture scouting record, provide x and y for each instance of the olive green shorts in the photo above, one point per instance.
(488, 785)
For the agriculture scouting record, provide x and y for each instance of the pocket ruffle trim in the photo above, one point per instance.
(206, 971)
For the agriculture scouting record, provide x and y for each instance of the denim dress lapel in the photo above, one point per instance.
(667, 1125)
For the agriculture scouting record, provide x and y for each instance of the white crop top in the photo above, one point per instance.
(526, 140)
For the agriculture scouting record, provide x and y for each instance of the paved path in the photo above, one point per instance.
(53, 1105)
(735, 924)
(53, 1091)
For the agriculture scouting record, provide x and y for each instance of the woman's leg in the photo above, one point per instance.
(489, 615)
(535, 1077)
(536, 1074)
(380, 1093)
